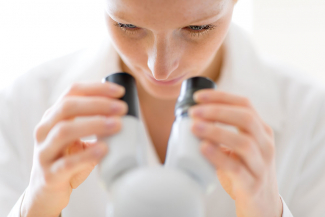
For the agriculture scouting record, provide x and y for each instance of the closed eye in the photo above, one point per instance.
(199, 30)
(127, 27)
(194, 30)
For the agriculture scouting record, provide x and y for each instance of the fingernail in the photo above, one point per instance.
(116, 88)
(117, 106)
(198, 112)
(98, 150)
(195, 96)
(200, 96)
(200, 126)
(111, 122)
(209, 148)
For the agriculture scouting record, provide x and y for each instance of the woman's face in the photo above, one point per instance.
(164, 42)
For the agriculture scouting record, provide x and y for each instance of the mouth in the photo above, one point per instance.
(165, 82)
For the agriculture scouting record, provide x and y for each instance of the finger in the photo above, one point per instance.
(71, 107)
(241, 117)
(245, 147)
(75, 147)
(72, 164)
(66, 132)
(107, 89)
(216, 96)
(240, 176)
(79, 145)
(88, 144)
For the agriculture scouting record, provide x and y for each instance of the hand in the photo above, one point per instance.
(244, 161)
(62, 161)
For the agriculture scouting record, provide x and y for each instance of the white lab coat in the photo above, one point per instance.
(291, 104)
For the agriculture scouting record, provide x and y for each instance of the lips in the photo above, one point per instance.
(167, 82)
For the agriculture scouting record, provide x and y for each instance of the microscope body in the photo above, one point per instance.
(175, 189)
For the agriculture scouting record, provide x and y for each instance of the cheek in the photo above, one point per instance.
(199, 55)
(132, 51)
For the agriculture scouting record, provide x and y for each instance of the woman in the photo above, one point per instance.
(278, 149)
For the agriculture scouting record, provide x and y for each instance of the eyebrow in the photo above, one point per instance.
(207, 18)
(118, 16)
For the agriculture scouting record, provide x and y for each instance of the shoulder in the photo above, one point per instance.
(301, 98)
(26, 99)
(284, 96)
(281, 94)
(36, 84)
(297, 90)
(46, 82)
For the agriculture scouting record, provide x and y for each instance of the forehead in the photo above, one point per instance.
(164, 11)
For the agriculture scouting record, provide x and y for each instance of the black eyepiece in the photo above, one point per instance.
(131, 94)
(189, 87)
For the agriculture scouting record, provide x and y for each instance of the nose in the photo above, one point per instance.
(162, 58)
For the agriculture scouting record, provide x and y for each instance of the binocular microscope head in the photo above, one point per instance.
(175, 189)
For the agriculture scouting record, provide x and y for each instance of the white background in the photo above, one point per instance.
(34, 31)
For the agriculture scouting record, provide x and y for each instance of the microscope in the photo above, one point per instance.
(175, 189)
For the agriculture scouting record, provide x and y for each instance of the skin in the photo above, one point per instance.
(61, 160)
(158, 41)
(163, 48)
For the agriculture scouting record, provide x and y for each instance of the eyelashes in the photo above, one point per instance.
(128, 28)
(199, 30)
(192, 30)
